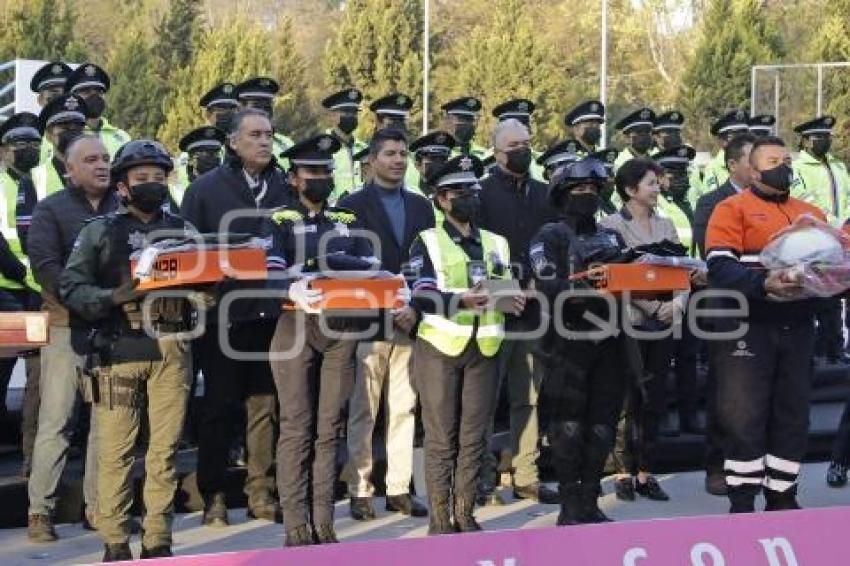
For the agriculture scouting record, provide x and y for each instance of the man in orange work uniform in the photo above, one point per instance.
(763, 377)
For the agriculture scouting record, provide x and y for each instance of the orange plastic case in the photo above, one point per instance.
(640, 279)
(358, 294)
(21, 332)
(198, 267)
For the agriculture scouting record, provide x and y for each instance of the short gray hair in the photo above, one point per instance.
(239, 117)
(504, 126)
(80, 138)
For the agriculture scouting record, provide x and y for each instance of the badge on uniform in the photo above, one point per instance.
(303, 229)
(136, 240)
(477, 272)
(342, 229)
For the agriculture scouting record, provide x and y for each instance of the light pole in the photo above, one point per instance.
(603, 69)
(426, 63)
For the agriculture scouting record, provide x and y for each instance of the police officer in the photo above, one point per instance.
(763, 377)
(203, 148)
(513, 205)
(585, 122)
(393, 111)
(362, 159)
(20, 139)
(461, 119)
(91, 83)
(821, 179)
(458, 339)
(586, 381)
(520, 109)
(667, 134)
(724, 129)
(607, 157)
(130, 365)
(63, 119)
(311, 418)
(637, 128)
(675, 190)
(430, 153)
(345, 107)
(558, 155)
(219, 104)
(762, 125)
(49, 82)
(259, 92)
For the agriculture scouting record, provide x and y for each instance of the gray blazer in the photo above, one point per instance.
(660, 228)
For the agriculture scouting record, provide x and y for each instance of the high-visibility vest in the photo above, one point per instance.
(452, 335)
(825, 185)
(8, 226)
(46, 180)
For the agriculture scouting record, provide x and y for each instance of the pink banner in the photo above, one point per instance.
(790, 538)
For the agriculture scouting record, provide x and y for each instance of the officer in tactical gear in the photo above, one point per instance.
(586, 382)
(131, 368)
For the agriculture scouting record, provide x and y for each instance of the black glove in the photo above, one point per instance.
(126, 292)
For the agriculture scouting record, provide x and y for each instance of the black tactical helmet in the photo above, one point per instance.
(587, 170)
(141, 152)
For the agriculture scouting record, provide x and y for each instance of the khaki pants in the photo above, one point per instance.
(165, 384)
(524, 375)
(382, 365)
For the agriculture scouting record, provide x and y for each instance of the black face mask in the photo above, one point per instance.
(592, 135)
(95, 105)
(348, 123)
(584, 205)
(147, 197)
(65, 139)
(464, 207)
(679, 185)
(205, 162)
(464, 132)
(778, 178)
(318, 190)
(519, 160)
(642, 142)
(223, 121)
(821, 146)
(670, 141)
(25, 159)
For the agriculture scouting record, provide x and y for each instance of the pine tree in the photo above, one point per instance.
(294, 114)
(499, 58)
(736, 34)
(227, 53)
(40, 29)
(141, 58)
(832, 43)
(378, 49)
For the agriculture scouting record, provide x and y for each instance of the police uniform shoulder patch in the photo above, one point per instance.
(340, 215)
(286, 215)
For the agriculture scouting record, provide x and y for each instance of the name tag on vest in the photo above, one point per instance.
(304, 229)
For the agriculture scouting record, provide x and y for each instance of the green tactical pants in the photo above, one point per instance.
(122, 390)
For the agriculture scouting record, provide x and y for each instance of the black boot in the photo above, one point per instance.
(464, 519)
(597, 446)
(299, 536)
(325, 534)
(742, 498)
(571, 509)
(118, 552)
(161, 551)
(439, 522)
(781, 500)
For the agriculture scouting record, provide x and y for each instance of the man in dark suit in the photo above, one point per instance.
(738, 163)
(247, 182)
(514, 205)
(740, 172)
(396, 216)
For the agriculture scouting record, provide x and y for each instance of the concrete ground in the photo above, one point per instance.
(686, 491)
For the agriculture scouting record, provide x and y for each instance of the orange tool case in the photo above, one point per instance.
(642, 280)
(358, 294)
(202, 266)
(22, 331)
